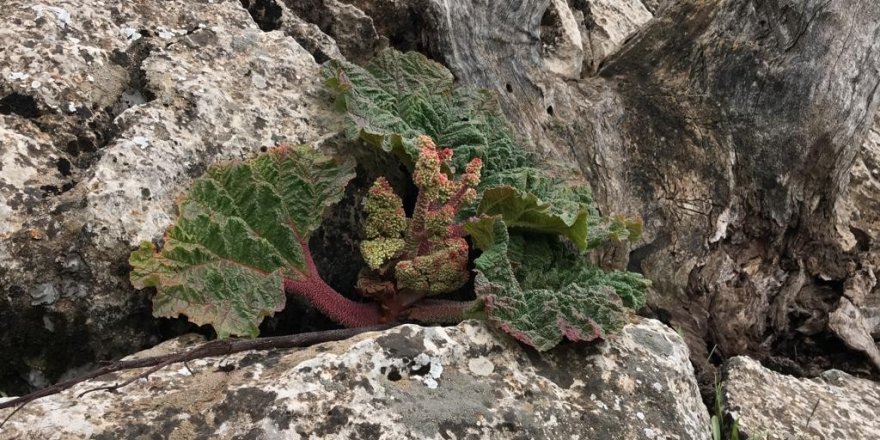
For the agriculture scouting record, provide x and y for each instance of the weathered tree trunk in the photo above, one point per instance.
(730, 126)
(765, 105)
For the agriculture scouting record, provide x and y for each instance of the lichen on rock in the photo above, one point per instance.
(409, 382)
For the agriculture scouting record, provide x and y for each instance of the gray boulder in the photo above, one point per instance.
(773, 406)
(108, 113)
(408, 382)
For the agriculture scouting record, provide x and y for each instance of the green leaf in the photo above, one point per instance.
(405, 74)
(541, 293)
(241, 230)
(524, 210)
(617, 228)
(400, 96)
(482, 230)
(529, 199)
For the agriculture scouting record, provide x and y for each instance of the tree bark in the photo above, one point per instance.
(729, 126)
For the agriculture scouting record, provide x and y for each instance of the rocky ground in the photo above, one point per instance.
(745, 134)
(407, 383)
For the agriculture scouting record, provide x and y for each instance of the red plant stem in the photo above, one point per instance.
(455, 200)
(395, 305)
(330, 302)
(415, 232)
(440, 311)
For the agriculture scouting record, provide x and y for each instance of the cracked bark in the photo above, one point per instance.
(731, 128)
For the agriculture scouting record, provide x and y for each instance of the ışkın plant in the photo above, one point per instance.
(241, 241)
(398, 97)
(426, 255)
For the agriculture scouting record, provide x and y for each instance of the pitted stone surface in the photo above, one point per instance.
(409, 382)
(770, 405)
(212, 80)
(108, 110)
(216, 90)
(352, 30)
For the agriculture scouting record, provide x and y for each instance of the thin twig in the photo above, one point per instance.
(811, 413)
(212, 348)
(709, 358)
(113, 388)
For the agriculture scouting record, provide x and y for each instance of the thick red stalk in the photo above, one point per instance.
(330, 302)
(440, 311)
(393, 306)
(415, 232)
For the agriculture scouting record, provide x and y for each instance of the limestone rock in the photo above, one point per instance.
(311, 38)
(108, 113)
(409, 382)
(352, 29)
(562, 44)
(654, 5)
(850, 325)
(858, 214)
(862, 206)
(773, 406)
(273, 15)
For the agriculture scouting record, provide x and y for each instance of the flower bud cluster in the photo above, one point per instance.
(385, 225)
(434, 256)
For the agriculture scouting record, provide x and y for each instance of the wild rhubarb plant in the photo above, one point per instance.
(426, 255)
(240, 244)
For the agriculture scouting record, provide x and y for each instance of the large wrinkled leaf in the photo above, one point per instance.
(400, 96)
(521, 209)
(527, 198)
(541, 293)
(242, 229)
(616, 228)
(482, 230)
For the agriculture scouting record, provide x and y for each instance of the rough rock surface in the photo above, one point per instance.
(773, 406)
(735, 129)
(856, 319)
(409, 382)
(605, 25)
(108, 112)
(352, 29)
